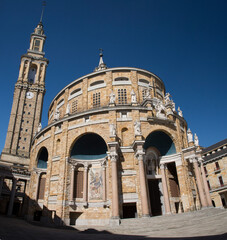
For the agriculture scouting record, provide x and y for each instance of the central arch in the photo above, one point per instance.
(157, 144)
(90, 146)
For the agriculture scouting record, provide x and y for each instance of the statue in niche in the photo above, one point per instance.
(57, 114)
(137, 128)
(133, 97)
(196, 140)
(112, 130)
(180, 113)
(112, 98)
(189, 135)
(95, 184)
(67, 109)
(39, 127)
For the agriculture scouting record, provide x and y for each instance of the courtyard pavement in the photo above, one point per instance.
(210, 224)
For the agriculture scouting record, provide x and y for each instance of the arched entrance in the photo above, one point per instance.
(157, 144)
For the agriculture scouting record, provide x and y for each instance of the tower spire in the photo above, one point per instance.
(101, 65)
(41, 17)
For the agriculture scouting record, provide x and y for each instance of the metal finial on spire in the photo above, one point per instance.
(101, 65)
(101, 52)
(44, 4)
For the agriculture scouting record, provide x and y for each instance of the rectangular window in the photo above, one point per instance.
(221, 181)
(78, 184)
(122, 96)
(74, 106)
(96, 99)
(205, 170)
(42, 183)
(217, 166)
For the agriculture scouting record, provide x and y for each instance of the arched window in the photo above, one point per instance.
(121, 79)
(32, 74)
(144, 81)
(58, 147)
(75, 91)
(88, 147)
(60, 103)
(124, 132)
(97, 83)
(42, 158)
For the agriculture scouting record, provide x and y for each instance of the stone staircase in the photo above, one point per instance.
(204, 222)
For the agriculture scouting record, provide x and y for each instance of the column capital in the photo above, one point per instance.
(72, 167)
(162, 166)
(113, 156)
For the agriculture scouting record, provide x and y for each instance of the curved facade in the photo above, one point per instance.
(114, 143)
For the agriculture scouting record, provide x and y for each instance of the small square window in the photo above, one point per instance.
(25, 139)
(28, 113)
(26, 130)
(30, 105)
(27, 121)
(23, 147)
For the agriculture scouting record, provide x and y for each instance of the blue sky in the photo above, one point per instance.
(181, 41)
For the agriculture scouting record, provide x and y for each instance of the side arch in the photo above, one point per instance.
(89, 146)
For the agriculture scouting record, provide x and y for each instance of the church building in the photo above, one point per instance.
(114, 147)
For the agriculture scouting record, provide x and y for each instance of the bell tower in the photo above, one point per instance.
(28, 97)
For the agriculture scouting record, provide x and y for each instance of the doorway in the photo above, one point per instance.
(129, 210)
(155, 197)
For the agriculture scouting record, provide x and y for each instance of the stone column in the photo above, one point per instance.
(143, 188)
(115, 198)
(1, 184)
(207, 192)
(104, 181)
(72, 182)
(199, 183)
(165, 190)
(85, 183)
(12, 196)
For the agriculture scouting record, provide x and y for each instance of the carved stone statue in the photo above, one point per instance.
(160, 109)
(148, 95)
(57, 114)
(167, 98)
(112, 98)
(39, 127)
(133, 97)
(189, 135)
(67, 112)
(196, 140)
(180, 112)
(112, 130)
(137, 128)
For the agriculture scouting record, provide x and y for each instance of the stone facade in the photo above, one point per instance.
(215, 165)
(114, 147)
